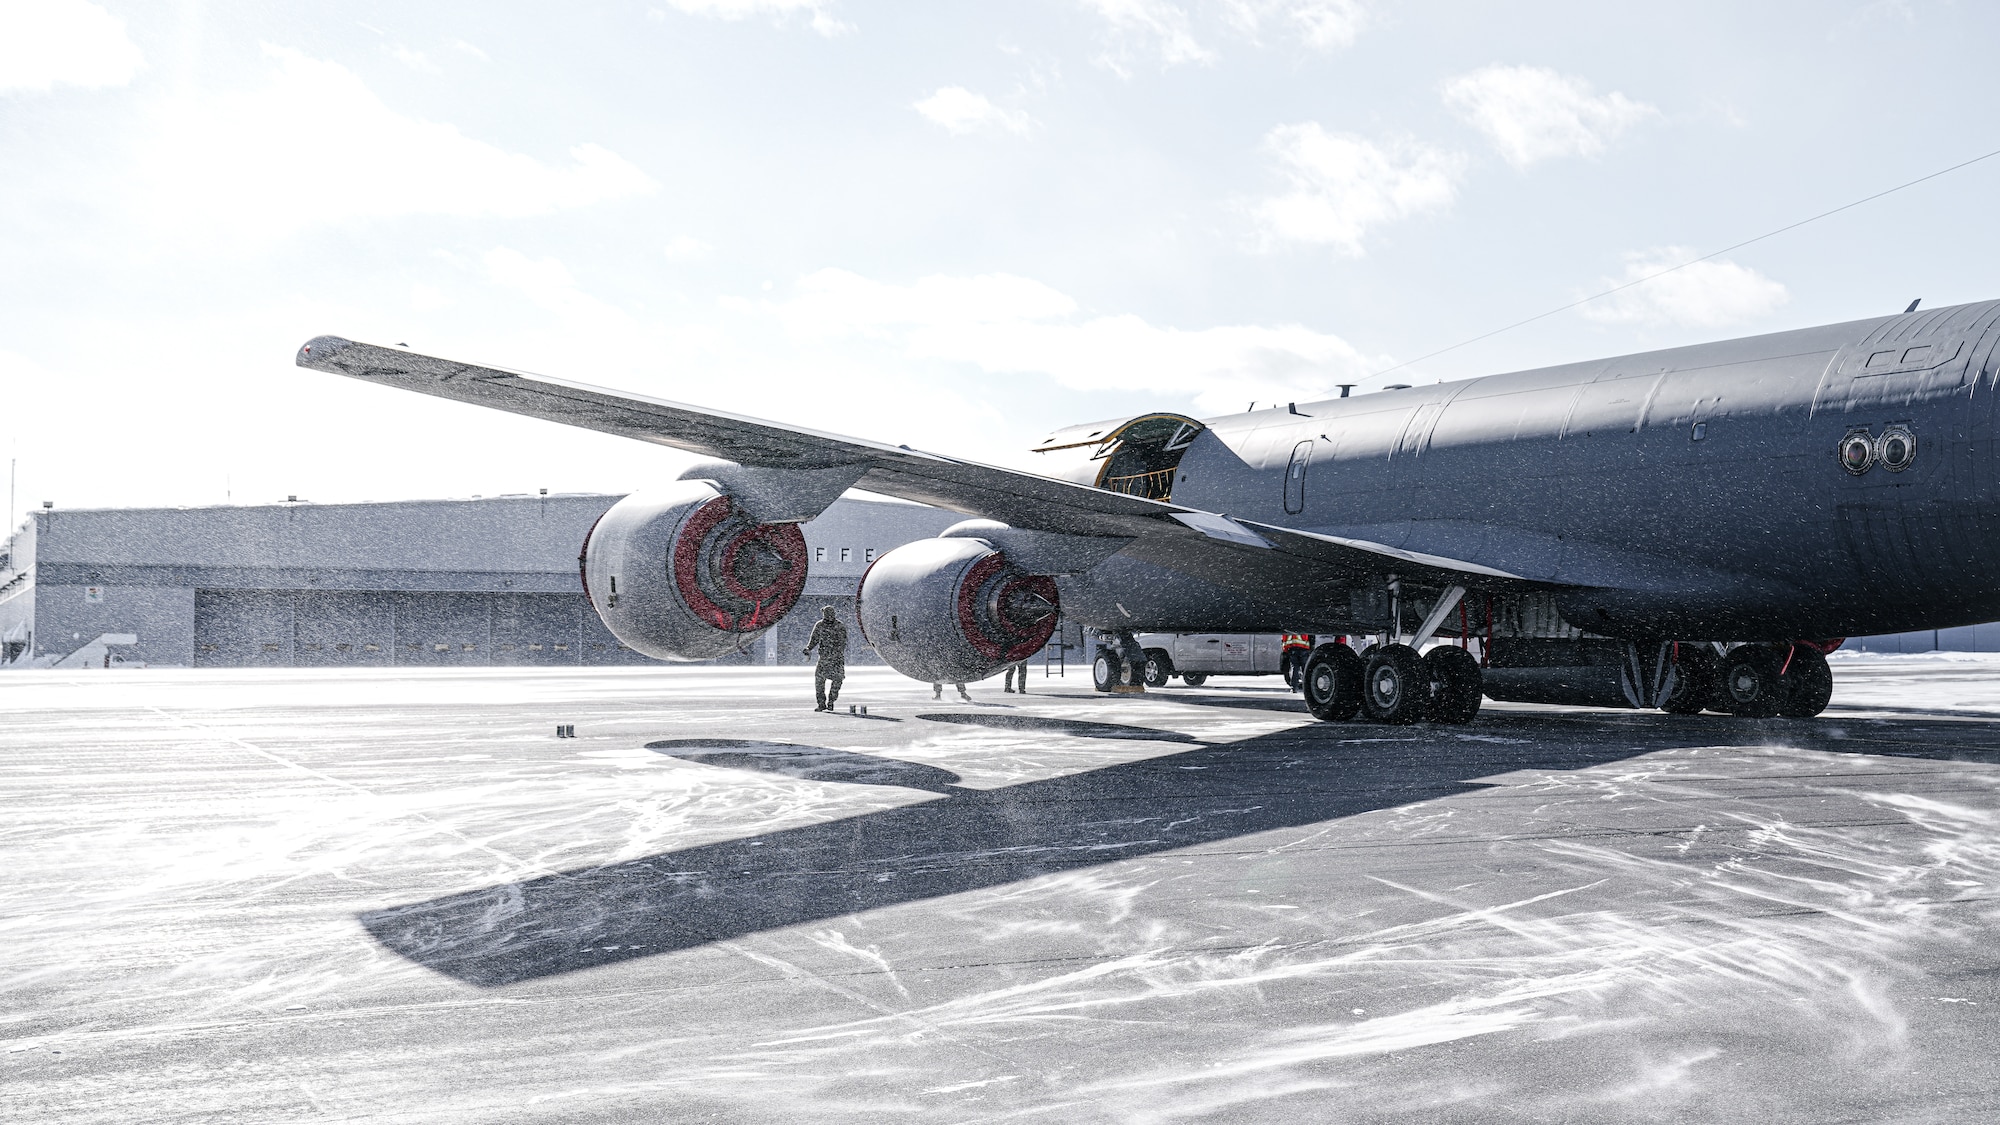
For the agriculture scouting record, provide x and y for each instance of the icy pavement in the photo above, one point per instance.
(395, 895)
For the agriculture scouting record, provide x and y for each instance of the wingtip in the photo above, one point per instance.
(320, 349)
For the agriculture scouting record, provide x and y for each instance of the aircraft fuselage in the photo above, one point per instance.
(1694, 492)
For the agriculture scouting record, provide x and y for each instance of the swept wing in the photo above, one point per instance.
(1210, 544)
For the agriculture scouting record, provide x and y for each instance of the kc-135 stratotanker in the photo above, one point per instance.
(1685, 529)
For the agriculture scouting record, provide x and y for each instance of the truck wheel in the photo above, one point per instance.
(1332, 683)
(1194, 679)
(1159, 668)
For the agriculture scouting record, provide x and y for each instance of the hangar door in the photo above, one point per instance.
(242, 628)
(336, 628)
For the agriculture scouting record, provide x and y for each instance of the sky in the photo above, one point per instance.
(952, 225)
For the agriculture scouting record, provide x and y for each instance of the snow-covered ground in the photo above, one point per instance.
(384, 895)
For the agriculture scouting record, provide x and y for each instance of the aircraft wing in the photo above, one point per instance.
(1209, 544)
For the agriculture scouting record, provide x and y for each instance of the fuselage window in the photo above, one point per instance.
(1295, 478)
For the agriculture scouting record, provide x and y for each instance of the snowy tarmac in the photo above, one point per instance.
(392, 895)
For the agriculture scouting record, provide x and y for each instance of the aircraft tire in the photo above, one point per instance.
(1455, 684)
(1395, 686)
(1751, 685)
(1194, 679)
(1808, 684)
(1159, 668)
(1694, 681)
(1332, 683)
(1104, 670)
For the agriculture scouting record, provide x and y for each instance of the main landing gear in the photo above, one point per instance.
(1392, 684)
(1755, 681)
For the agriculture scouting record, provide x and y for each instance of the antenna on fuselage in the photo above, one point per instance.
(1913, 306)
(1346, 389)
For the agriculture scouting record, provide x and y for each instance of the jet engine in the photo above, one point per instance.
(683, 573)
(954, 610)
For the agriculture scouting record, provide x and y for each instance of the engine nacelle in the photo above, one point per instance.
(954, 610)
(682, 573)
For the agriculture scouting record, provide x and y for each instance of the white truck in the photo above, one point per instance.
(1194, 657)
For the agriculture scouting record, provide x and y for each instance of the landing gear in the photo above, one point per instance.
(1333, 683)
(1194, 679)
(1395, 686)
(1455, 684)
(1119, 666)
(1808, 683)
(1159, 668)
(1751, 683)
(1693, 677)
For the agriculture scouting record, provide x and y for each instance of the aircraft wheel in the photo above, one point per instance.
(1333, 683)
(1455, 684)
(1395, 685)
(1751, 685)
(1808, 684)
(1694, 680)
(1159, 668)
(1194, 679)
(1105, 670)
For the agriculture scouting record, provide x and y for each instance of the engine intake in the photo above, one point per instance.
(683, 574)
(954, 610)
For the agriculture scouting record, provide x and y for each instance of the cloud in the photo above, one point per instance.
(1156, 26)
(1166, 30)
(1321, 24)
(962, 111)
(1707, 294)
(315, 146)
(821, 11)
(686, 248)
(412, 58)
(1001, 323)
(1341, 185)
(63, 43)
(1532, 113)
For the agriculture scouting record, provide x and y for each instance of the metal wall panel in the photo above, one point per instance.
(242, 628)
(343, 628)
(537, 628)
(443, 629)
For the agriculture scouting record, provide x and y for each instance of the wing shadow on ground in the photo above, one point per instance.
(1043, 725)
(969, 839)
(807, 763)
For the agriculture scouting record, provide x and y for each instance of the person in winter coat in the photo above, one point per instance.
(830, 638)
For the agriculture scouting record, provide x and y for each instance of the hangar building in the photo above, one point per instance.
(430, 582)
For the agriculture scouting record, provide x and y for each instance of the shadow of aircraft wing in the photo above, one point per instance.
(965, 840)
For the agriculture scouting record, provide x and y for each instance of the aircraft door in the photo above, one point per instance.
(1295, 478)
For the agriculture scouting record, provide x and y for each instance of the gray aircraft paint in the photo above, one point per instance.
(1692, 492)
(1588, 475)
